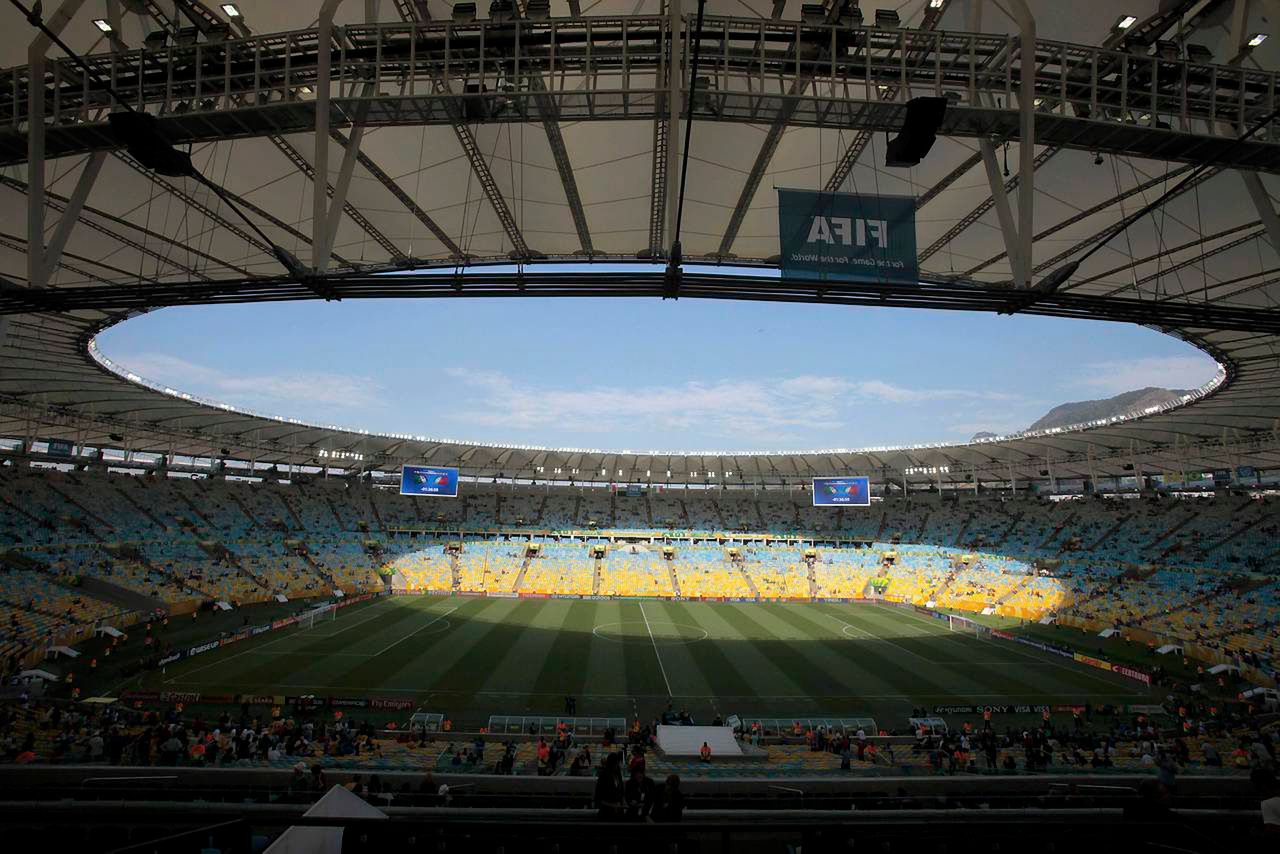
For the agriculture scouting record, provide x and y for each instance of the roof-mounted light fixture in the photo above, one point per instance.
(1256, 39)
(102, 24)
(1124, 22)
(230, 10)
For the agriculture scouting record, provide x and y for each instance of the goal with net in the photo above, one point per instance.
(324, 614)
(966, 626)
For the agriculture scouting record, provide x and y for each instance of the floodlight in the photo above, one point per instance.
(936, 4)
(1125, 22)
(230, 10)
(1257, 39)
(101, 23)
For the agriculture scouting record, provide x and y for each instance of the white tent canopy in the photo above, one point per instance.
(336, 803)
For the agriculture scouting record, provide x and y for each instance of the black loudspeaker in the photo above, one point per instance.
(141, 134)
(919, 131)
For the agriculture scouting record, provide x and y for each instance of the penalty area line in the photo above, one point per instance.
(656, 654)
(875, 637)
(426, 625)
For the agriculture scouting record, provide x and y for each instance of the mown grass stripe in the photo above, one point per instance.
(883, 662)
(721, 672)
(606, 669)
(1063, 677)
(258, 671)
(566, 663)
(519, 666)
(811, 671)
(393, 667)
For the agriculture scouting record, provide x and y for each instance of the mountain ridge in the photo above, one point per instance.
(1081, 411)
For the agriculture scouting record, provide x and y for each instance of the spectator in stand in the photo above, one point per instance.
(705, 752)
(609, 795)
(639, 794)
(669, 806)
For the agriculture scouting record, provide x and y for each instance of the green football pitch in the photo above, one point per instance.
(474, 657)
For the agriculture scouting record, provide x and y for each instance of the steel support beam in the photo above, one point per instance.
(675, 108)
(1088, 212)
(1115, 227)
(35, 139)
(321, 244)
(379, 174)
(950, 178)
(987, 204)
(48, 261)
(333, 216)
(59, 203)
(1008, 228)
(1266, 208)
(1026, 134)
(764, 157)
(358, 218)
(559, 153)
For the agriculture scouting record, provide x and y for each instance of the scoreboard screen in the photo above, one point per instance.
(842, 492)
(429, 480)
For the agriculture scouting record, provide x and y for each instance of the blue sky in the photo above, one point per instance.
(645, 374)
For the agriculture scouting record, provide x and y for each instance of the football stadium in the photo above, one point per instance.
(234, 620)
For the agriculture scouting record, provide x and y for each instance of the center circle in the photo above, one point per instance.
(654, 632)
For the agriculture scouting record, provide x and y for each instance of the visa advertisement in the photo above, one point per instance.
(847, 237)
(842, 492)
(429, 480)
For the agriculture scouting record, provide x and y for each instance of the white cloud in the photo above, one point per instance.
(767, 410)
(279, 391)
(1114, 377)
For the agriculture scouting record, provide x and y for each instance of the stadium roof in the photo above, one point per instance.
(570, 156)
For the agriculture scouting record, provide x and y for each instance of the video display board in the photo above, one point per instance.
(434, 481)
(842, 492)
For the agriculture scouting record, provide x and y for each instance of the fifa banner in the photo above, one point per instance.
(841, 492)
(429, 480)
(847, 237)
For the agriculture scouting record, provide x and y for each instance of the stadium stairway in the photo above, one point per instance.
(542, 509)
(21, 511)
(597, 577)
(524, 568)
(1169, 532)
(1058, 529)
(18, 560)
(964, 529)
(741, 567)
(293, 514)
(924, 522)
(1109, 533)
(1008, 531)
(1236, 532)
(455, 570)
(128, 600)
(675, 578)
(197, 514)
(76, 503)
(253, 520)
(814, 591)
(143, 511)
(1012, 591)
(1236, 586)
(333, 508)
(377, 517)
(320, 571)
